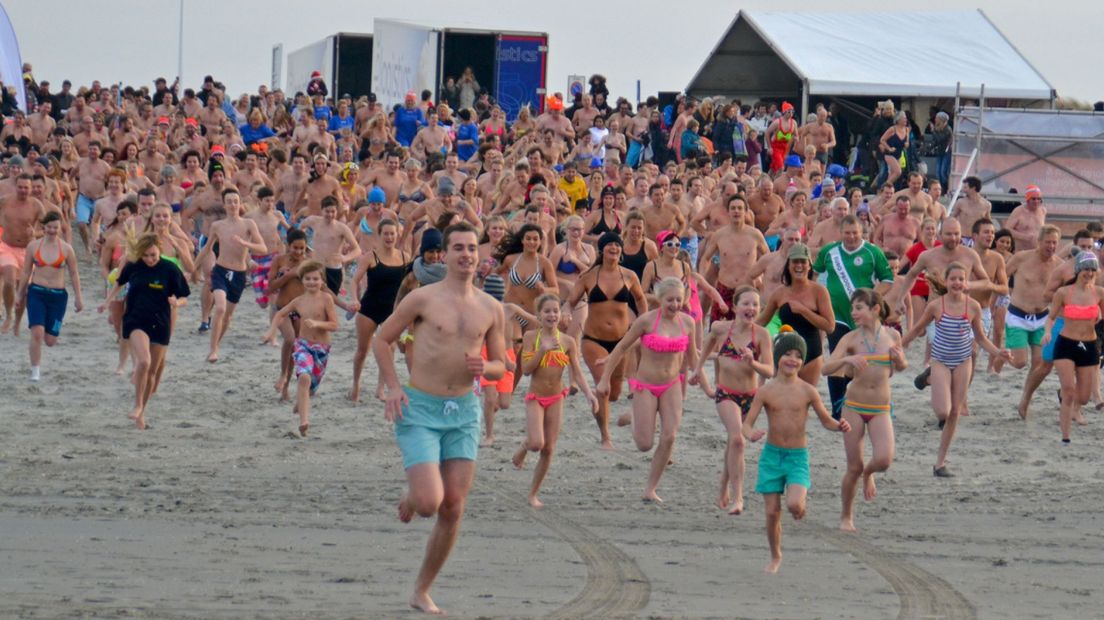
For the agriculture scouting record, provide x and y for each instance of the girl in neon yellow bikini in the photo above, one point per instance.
(870, 354)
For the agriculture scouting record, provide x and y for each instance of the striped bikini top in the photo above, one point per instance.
(531, 281)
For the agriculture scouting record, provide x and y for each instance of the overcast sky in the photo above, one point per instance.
(134, 41)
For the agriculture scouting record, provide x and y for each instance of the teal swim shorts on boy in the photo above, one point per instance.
(780, 467)
(435, 429)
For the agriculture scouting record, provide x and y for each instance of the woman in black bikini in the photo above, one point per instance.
(385, 270)
(605, 219)
(609, 316)
(804, 305)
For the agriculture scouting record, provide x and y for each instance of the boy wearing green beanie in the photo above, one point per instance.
(784, 462)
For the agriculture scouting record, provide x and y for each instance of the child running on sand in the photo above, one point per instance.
(545, 353)
(957, 325)
(285, 286)
(873, 353)
(739, 367)
(317, 319)
(784, 462)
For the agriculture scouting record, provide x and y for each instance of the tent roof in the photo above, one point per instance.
(899, 54)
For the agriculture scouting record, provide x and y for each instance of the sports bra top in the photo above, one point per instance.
(531, 281)
(730, 350)
(666, 344)
(555, 357)
(1075, 313)
(56, 264)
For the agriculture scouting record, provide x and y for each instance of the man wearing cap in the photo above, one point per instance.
(192, 140)
(553, 118)
(1027, 219)
(793, 176)
(408, 118)
(317, 86)
(780, 135)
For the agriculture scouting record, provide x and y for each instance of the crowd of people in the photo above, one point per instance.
(649, 245)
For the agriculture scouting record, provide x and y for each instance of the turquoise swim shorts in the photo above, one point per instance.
(781, 467)
(435, 429)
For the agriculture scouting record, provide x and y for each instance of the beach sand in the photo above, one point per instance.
(221, 511)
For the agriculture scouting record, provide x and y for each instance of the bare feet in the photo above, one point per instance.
(354, 394)
(303, 428)
(424, 604)
(487, 441)
(281, 385)
(607, 444)
(7, 325)
(534, 502)
(847, 525)
(213, 357)
(650, 496)
(737, 507)
(519, 458)
(965, 410)
(625, 419)
(120, 369)
(135, 413)
(1022, 409)
(723, 499)
(381, 393)
(406, 513)
(869, 490)
(774, 565)
(1079, 418)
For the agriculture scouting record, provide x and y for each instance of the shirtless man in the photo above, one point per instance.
(898, 230)
(488, 181)
(1027, 314)
(91, 185)
(432, 138)
(191, 140)
(290, 184)
(555, 120)
(205, 199)
(451, 171)
(828, 231)
(984, 232)
(335, 246)
(436, 415)
(584, 116)
(919, 201)
(19, 215)
(794, 174)
(251, 173)
(552, 149)
(935, 261)
(821, 135)
(971, 207)
(319, 185)
(1027, 219)
(936, 210)
(766, 203)
(389, 178)
(237, 238)
(660, 214)
(104, 209)
(42, 124)
(739, 247)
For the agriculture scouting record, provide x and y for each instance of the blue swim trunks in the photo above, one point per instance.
(781, 467)
(435, 429)
(85, 207)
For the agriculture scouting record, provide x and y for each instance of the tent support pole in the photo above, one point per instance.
(961, 180)
(804, 100)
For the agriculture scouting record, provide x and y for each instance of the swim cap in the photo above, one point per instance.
(787, 106)
(431, 240)
(494, 286)
(377, 195)
(788, 340)
(445, 187)
(608, 238)
(1033, 191)
(1086, 260)
(793, 161)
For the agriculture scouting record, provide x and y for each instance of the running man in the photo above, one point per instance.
(436, 415)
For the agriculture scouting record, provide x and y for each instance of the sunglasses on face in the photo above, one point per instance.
(671, 243)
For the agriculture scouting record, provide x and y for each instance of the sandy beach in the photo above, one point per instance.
(221, 511)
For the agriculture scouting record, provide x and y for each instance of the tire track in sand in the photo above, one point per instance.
(922, 594)
(615, 586)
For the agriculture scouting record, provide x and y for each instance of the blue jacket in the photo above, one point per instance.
(407, 123)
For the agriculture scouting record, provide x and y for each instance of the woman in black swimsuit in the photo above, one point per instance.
(609, 317)
(385, 271)
(605, 219)
(638, 250)
(803, 304)
(894, 142)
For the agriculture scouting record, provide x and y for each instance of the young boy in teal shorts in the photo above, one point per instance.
(784, 462)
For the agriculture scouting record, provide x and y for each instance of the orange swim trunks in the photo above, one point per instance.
(11, 256)
(505, 385)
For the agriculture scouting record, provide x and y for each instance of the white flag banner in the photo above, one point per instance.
(11, 63)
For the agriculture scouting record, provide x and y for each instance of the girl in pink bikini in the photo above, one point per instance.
(744, 354)
(665, 350)
(545, 353)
